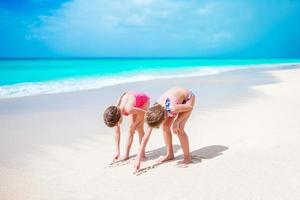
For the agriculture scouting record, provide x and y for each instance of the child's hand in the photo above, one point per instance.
(176, 128)
(116, 157)
(137, 165)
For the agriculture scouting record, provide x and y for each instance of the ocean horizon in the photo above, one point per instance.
(35, 76)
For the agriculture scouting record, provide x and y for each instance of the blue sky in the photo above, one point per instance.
(150, 28)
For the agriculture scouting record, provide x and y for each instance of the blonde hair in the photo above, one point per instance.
(155, 115)
(111, 116)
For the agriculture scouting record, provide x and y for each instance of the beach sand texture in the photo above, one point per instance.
(244, 137)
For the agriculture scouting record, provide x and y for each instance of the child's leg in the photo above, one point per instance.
(140, 122)
(141, 132)
(131, 131)
(166, 126)
(136, 124)
(183, 138)
(178, 128)
(140, 126)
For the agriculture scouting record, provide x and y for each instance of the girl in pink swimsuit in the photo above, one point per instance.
(134, 105)
(172, 109)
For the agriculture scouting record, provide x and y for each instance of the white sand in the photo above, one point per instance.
(250, 150)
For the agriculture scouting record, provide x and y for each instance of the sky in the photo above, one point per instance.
(150, 28)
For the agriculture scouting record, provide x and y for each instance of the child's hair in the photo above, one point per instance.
(155, 115)
(111, 116)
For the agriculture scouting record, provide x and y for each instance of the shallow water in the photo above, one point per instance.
(29, 77)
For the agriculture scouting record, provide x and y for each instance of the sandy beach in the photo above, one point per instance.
(244, 136)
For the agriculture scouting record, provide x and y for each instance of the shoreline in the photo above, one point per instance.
(94, 82)
(5, 107)
(243, 133)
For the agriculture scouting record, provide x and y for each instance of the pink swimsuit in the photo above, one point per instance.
(140, 99)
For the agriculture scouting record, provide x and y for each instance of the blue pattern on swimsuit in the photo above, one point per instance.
(168, 107)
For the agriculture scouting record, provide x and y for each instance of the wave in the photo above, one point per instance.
(89, 83)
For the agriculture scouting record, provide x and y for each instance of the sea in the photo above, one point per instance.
(29, 77)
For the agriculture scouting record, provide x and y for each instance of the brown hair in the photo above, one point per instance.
(111, 116)
(155, 116)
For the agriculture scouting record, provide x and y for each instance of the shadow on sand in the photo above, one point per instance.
(198, 155)
(150, 155)
(156, 153)
(208, 152)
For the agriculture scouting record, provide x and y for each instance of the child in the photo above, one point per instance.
(134, 105)
(173, 108)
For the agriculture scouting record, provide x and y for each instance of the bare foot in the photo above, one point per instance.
(165, 158)
(143, 158)
(185, 162)
(123, 158)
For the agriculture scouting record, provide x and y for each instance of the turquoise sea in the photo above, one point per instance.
(27, 77)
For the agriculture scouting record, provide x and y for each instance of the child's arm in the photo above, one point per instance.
(177, 108)
(142, 148)
(130, 109)
(118, 102)
(136, 110)
(117, 142)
